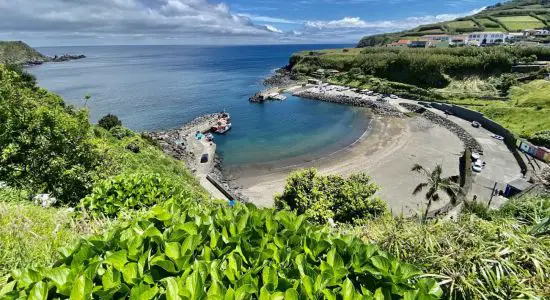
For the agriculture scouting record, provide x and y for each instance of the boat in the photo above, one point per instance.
(223, 124)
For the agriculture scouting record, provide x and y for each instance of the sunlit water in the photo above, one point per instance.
(160, 87)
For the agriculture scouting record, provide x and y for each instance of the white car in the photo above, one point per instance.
(498, 137)
(393, 96)
(477, 166)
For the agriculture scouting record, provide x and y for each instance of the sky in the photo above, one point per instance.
(217, 22)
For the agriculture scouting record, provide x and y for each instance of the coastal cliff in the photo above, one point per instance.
(19, 53)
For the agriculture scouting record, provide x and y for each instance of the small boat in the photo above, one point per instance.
(221, 129)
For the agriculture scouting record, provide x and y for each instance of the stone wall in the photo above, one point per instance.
(467, 139)
(488, 124)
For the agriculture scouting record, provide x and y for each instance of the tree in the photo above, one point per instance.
(346, 200)
(435, 184)
(109, 121)
(45, 146)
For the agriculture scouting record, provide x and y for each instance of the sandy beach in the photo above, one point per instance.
(386, 153)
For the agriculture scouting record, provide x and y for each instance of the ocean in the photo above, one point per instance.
(160, 87)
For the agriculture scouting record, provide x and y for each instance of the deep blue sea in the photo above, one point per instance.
(160, 87)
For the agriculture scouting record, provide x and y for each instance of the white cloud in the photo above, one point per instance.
(272, 28)
(358, 23)
(158, 17)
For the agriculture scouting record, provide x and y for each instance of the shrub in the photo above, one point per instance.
(195, 251)
(322, 197)
(121, 132)
(541, 138)
(128, 191)
(45, 146)
(109, 121)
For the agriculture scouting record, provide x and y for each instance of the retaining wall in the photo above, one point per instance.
(470, 115)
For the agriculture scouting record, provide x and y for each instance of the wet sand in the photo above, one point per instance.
(386, 153)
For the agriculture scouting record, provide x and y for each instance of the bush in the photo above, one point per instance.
(322, 197)
(541, 138)
(109, 121)
(128, 191)
(121, 132)
(191, 250)
(45, 146)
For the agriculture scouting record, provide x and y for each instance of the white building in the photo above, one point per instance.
(486, 38)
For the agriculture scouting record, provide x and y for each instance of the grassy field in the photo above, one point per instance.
(527, 111)
(517, 23)
(461, 24)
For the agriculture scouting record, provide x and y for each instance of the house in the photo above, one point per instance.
(458, 40)
(513, 37)
(486, 38)
(319, 73)
(400, 43)
(437, 37)
(314, 81)
(542, 32)
(420, 44)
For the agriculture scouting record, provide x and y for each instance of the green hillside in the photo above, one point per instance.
(18, 52)
(513, 16)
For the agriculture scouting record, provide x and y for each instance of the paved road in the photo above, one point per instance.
(501, 165)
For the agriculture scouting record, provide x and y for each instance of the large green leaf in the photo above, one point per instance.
(40, 291)
(82, 288)
(172, 288)
(117, 259)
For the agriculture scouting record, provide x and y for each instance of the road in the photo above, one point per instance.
(501, 166)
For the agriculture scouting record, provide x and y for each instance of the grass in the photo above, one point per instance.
(527, 111)
(461, 24)
(473, 257)
(31, 235)
(149, 159)
(521, 22)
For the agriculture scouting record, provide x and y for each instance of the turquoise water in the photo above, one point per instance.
(160, 87)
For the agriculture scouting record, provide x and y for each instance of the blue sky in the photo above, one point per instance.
(84, 22)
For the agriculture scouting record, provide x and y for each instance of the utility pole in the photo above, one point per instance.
(492, 194)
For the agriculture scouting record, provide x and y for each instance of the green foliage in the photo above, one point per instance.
(474, 258)
(193, 250)
(18, 53)
(421, 67)
(109, 121)
(541, 138)
(128, 191)
(120, 132)
(149, 160)
(45, 146)
(30, 235)
(322, 197)
(435, 183)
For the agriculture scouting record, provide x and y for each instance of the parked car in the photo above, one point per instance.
(476, 124)
(393, 96)
(475, 156)
(498, 137)
(477, 166)
(204, 158)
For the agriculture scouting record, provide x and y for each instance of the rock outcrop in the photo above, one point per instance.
(378, 107)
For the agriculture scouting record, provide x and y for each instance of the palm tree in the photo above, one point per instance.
(435, 183)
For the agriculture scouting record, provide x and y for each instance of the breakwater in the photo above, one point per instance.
(467, 139)
(350, 98)
(182, 144)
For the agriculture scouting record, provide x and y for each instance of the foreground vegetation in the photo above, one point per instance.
(131, 222)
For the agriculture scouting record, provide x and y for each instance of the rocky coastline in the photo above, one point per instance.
(281, 78)
(378, 107)
(47, 59)
(176, 143)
